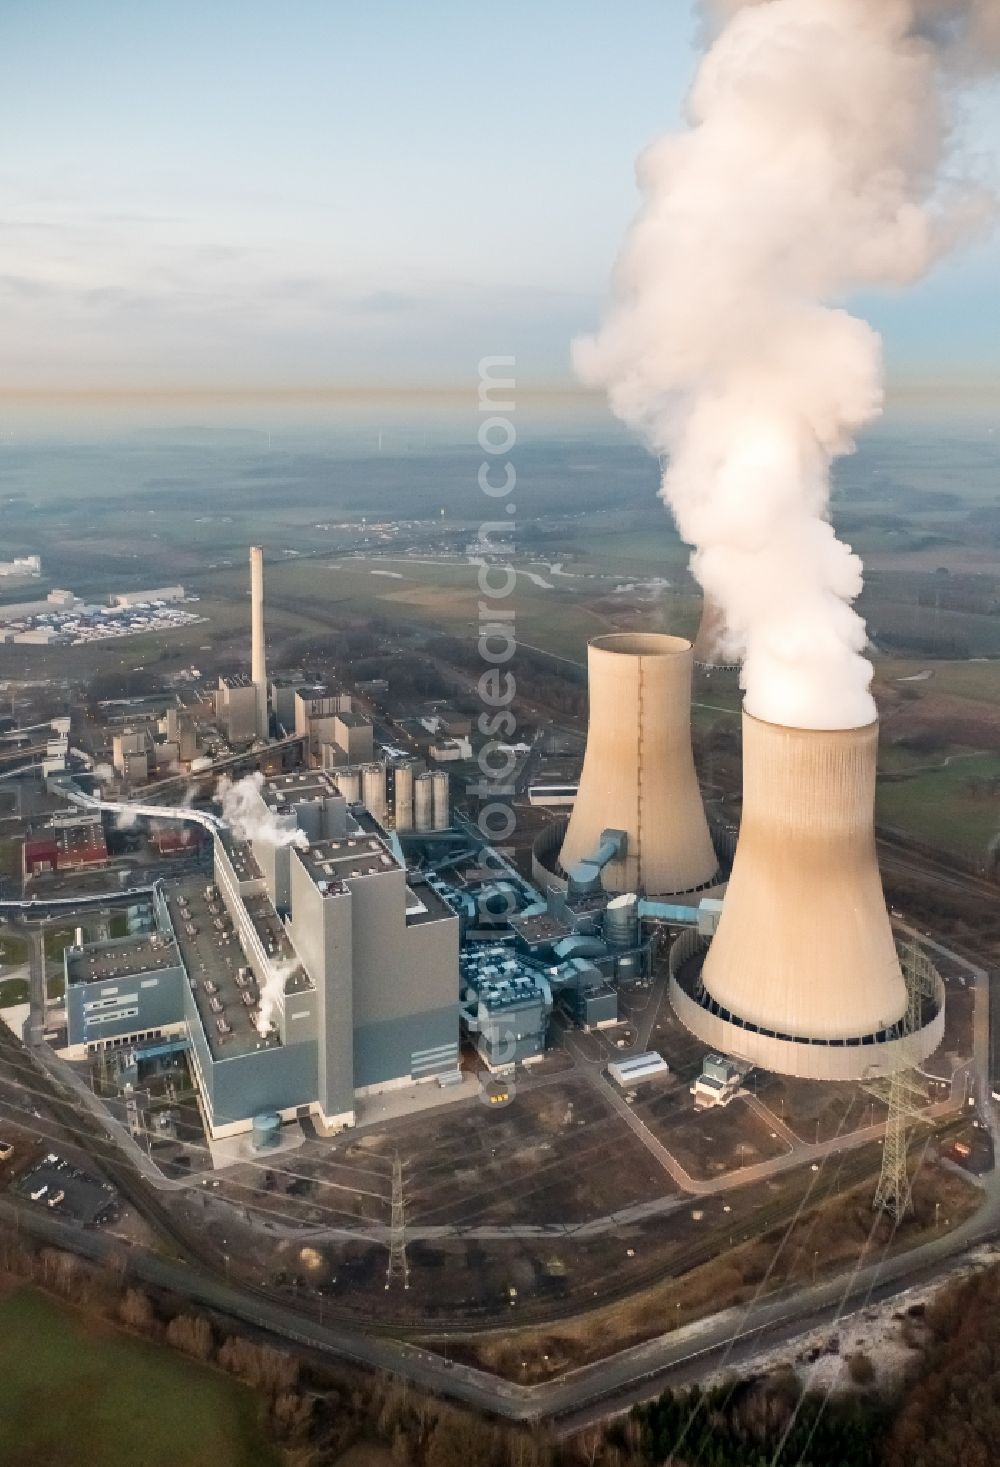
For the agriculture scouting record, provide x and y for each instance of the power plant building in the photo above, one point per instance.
(313, 970)
(236, 708)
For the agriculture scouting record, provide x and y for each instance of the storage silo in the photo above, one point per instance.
(638, 770)
(621, 921)
(402, 796)
(265, 1133)
(423, 801)
(373, 789)
(441, 802)
(349, 784)
(802, 975)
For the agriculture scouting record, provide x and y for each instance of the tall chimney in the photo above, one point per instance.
(258, 656)
(802, 975)
(638, 771)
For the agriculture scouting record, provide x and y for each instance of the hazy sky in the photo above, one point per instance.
(250, 192)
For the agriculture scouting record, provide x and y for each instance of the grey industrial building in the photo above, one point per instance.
(236, 708)
(313, 970)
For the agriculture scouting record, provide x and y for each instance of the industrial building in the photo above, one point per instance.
(165, 594)
(74, 842)
(312, 971)
(236, 708)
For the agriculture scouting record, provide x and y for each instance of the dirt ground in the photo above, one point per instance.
(836, 1233)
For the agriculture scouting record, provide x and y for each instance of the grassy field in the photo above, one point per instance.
(82, 1395)
(12, 949)
(13, 991)
(955, 807)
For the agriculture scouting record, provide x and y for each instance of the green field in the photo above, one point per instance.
(78, 1394)
(13, 991)
(12, 949)
(954, 807)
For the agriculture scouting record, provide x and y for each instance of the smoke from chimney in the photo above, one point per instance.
(811, 168)
(247, 817)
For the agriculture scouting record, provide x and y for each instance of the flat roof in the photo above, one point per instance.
(107, 963)
(213, 958)
(542, 927)
(353, 855)
(354, 720)
(423, 903)
(271, 931)
(241, 857)
(235, 680)
(300, 785)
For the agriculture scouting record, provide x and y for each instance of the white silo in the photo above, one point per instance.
(402, 796)
(621, 921)
(638, 771)
(441, 802)
(349, 784)
(423, 802)
(802, 975)
(373, 789)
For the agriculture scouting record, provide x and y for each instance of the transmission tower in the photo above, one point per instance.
(902, 1094)
(398, 1266)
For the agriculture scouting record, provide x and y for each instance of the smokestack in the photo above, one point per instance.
(638, 771)
(258, 656)
(802, 975)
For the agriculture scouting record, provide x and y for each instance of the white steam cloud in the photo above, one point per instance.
(250, 819)
(272, 991)
(811, 168)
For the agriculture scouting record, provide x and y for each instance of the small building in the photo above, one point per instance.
(74, 842)
(127, 599)
(719, 1081)
(637, 1068)
(450, 751)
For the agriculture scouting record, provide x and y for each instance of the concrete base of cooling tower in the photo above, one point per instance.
(865, 1058)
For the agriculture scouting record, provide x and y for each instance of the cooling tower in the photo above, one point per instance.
(638, 771)
(258, 656)
(802, 974)
(709, 649)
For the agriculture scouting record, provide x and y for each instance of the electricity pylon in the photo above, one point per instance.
(901, 1093)
(398, 1267)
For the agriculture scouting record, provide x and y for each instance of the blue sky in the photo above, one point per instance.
(241, 192)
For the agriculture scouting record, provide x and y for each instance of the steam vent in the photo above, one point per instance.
(802, 975)
(638, 775)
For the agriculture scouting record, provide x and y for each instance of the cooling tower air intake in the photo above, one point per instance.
(638, 771)
(802, 975)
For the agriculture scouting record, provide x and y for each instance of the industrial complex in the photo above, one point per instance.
(353, 935)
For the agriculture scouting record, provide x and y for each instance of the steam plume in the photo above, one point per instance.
(811, 168)
(250, 819)
(272, 991)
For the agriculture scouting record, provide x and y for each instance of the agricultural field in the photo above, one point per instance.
(78, 1392)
